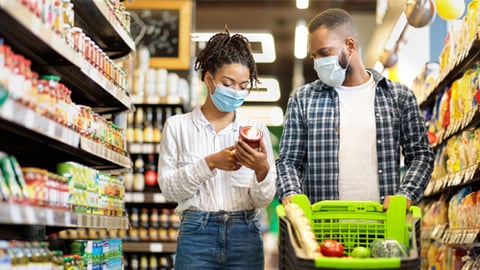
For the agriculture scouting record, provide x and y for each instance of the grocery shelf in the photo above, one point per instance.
(470, 119)
(143, 148)
(33, 215)
(98, 20)
(19, 214)
(173, 100)
(39, 135)
(461, 178)
(144, 197)
(465, 60)
(50, 54)
(155, 247)
(103, 152)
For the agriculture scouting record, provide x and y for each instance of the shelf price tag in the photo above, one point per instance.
(29, 119)
(15, 213)
(49, 217)
(138, 197)
(159, 198)
(68, 218)
(127, 197)
(156, 247)
(30, 215)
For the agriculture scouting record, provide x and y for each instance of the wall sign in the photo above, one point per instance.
(163, 27)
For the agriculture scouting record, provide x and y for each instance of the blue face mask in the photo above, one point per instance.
(329, 70)
(227, 99)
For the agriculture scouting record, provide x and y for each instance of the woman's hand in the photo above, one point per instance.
(224, 160)
(253, 159)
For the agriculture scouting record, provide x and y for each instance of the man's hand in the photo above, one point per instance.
(386, 203)
(287, 200)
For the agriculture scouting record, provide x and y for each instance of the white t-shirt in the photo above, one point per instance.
(358, 178)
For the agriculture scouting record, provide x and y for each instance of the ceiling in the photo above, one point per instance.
(278, 17)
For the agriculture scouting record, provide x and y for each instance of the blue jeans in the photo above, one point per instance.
(219, 240)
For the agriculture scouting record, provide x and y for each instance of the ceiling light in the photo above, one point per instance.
(302, 4)
(267, 44)
(301, 35)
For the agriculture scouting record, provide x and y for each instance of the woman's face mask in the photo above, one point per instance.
(329, 70)
(227, 99)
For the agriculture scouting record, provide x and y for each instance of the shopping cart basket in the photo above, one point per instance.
(352, 223)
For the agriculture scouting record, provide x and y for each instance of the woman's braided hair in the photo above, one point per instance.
(223, 49)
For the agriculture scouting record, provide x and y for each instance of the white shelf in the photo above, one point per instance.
(144, 197)
(18, 214)
(41, 127)
(49, 51)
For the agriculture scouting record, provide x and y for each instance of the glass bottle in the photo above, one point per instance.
(143, 262)
(135, 224)
(138, 174)
(144, 224)
(138, 125)
(134, 263)
(128, 181)
(130, 132)
(154, 224)
(148, 126)
(151, 171)
(153, 262)
(157, 131)
(168, 113)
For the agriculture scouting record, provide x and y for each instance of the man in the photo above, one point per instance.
(343, 134)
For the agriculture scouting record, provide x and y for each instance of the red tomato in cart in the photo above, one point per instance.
(331, 248)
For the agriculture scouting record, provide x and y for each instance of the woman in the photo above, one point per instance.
(218, 180)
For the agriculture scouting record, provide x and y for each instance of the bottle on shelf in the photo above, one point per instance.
(134, 224)
(128, 181)
(134, 262)
(148, 135)
(138, 174)
(153, 262)
(139, 125)
(144, 224)
(158, 126)
(154, 224)
(143, 262)
(168, 113)
(151, 171)
(130, 132)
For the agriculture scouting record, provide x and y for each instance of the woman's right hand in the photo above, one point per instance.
(223, 160)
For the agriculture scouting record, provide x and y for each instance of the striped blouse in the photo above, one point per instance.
(185, 177)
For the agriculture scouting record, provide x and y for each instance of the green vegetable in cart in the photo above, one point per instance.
(331, 248)
(361, 252)
(388, 248)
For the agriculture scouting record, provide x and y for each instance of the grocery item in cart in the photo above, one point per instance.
(303, 230)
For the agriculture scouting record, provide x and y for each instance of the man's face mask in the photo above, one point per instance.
(329, 70)
(227, 99)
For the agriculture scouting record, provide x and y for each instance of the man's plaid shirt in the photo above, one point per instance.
(308, 160)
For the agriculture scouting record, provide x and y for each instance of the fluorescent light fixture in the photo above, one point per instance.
(266, 41)
(302, 4)
(268, 90)
(396, 32)
(269, 115)
(301, 35)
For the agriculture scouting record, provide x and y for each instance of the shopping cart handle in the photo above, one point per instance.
(415, 211)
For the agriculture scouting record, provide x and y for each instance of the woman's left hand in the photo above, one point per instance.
(253, 159)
